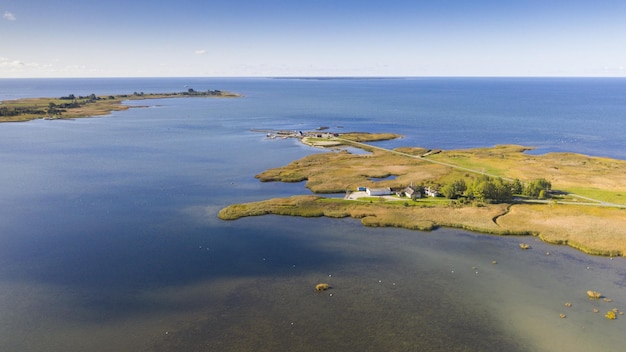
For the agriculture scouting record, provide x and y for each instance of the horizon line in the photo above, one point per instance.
(313, 77)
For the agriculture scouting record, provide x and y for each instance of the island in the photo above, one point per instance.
(561, 198)
(71, 106)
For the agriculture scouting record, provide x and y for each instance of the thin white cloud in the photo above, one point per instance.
(9, 16)
(200, 52)
(18, 68)
(5, 62)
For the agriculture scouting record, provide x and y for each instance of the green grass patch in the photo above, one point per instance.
(599, 194)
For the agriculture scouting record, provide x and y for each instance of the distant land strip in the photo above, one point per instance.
(71, 106)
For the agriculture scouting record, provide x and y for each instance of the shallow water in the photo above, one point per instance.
(249, 285)
(109, 239)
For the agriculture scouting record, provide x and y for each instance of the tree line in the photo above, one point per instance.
(16, 111)
(495, 190)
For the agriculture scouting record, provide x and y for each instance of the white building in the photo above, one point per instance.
(378, 191)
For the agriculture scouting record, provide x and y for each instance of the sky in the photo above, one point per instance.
(245, 38)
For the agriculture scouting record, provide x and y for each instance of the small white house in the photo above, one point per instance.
(373, 192)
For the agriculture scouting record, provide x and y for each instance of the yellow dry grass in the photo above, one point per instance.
(339, 171)
(369, 137)
(375, 214)
(595, 177)
(585, 175)
(591, 229)
(594, 230)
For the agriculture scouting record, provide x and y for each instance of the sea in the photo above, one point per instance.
(110, 241)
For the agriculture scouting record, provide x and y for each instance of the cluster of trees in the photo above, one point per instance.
(54, 109)
(89, 98)
(191, 91)
(494, 190)
(537, 188)
(16, 111)
(57, 109)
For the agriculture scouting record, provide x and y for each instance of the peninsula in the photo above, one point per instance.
(562, 198)
(71, 106)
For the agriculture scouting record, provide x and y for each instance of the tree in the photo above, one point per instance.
(454, 190)
(53, 110)
(490, 190)
(503, 191)
(534, 187)
(517, 187)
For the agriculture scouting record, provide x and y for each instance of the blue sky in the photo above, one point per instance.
(138, 38)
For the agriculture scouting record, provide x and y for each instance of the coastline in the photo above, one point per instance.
(595, 226)
(70, 107)
(601, 234)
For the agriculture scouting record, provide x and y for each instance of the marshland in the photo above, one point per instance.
(565, 214)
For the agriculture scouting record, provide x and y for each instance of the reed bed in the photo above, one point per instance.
(591, 229)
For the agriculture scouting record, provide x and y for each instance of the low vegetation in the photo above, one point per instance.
(501, 190)
(368, 137)
(594, 294)
(376, 214)
(611, 315)
(322, 287)
(71, 106)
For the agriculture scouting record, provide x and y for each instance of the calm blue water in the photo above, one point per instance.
(109, 239)
(583, 115)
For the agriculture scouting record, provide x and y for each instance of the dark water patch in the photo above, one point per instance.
(386, 178)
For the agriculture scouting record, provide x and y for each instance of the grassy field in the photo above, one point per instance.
(599, 230)
(594, 177)
(339, 171)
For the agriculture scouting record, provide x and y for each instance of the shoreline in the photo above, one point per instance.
(593, 223)
(71, 107)
(428, 218)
